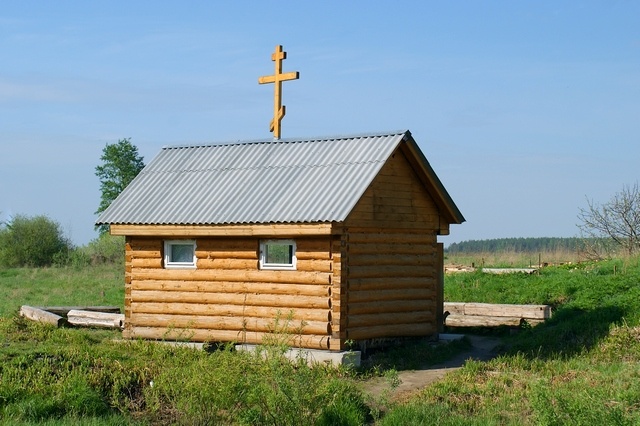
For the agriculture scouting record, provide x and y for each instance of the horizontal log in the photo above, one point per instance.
(144, 244)
(313, 265)
(231, 311)
(220, 263)
(226, 254)
(145, 254)
(364, 284)
(304, 265)
(369, 320)
(539, 312)
(391, 330)
(146, 262)
(417, 223)
(382, 295)
(95, 319)
(321, 245)
(355, 308)
(454, 320)
(162, 333)
(381, 208)
(41, 316)
(391, 259)
(282, 325)
(313, 255)
(289, 277)
(249, 299)
(394, 271)
(233, 287)
(64, 310)
(389, 238)
(398, 248)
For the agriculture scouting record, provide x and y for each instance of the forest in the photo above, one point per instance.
(518, 245)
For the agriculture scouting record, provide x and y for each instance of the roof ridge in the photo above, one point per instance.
(285, 140)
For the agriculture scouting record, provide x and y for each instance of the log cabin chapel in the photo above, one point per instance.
(334, 238)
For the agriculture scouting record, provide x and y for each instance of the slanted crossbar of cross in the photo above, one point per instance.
(277, 78)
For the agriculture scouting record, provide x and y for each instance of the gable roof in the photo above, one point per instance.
(269, 181)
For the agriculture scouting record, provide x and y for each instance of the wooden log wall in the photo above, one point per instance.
(390, 292)
(390, 264)
(227, 297)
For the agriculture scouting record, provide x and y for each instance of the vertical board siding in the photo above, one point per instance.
(227, 297)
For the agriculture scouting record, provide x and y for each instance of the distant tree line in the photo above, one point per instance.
(518, 245)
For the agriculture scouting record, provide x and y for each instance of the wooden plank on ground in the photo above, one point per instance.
(95, 319)
(64, 310)
(454, 320)
(538, 312)
(40, 315)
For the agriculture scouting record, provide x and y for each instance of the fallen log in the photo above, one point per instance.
(40, 315)
(64, 310)
(455, 320)
(95, 319)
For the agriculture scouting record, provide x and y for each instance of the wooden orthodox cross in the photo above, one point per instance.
(277, 78)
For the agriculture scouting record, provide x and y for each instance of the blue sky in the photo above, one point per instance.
(524, 109)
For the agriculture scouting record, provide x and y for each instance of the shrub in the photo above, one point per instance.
(105, 249)
(32, 241)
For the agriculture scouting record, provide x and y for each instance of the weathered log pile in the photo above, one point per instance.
(493, 315)
(79, 316)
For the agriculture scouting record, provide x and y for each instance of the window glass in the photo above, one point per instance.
(277, 254)
(180, 254)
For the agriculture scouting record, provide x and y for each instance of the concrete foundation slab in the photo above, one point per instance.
(317, 356)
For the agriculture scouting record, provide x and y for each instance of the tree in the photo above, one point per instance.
(120, 165)
(32, 241)
(617, 222)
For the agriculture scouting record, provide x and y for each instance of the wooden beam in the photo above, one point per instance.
(40, 315)
(95, 319)
(258, 230)
(540, 312)
(455, 320)
(64, 310)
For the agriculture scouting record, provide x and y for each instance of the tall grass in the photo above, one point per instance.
(50, 374)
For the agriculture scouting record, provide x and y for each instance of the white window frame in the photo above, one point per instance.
(168, 264)
(277, 266)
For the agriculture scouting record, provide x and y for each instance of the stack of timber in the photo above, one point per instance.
(493, 315)
(82, 316)
(227, 297)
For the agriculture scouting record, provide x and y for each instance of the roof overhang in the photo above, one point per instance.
(432, 183)
(242, 230)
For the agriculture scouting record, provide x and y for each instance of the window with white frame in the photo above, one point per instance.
(278, 254)
(179, 254)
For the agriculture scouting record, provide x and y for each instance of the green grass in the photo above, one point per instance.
(578, 368)
(98, 285)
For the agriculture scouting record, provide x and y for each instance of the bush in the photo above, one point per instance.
(32, 241)
(105, 249)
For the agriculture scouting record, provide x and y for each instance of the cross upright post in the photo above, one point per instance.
(277, 78)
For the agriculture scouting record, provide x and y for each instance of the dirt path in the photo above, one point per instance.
(482, 349)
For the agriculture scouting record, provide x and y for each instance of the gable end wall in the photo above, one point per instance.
(390, 255)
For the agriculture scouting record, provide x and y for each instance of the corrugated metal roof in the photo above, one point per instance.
(281, 181)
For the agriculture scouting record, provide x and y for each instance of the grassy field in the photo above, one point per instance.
(580, 367)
